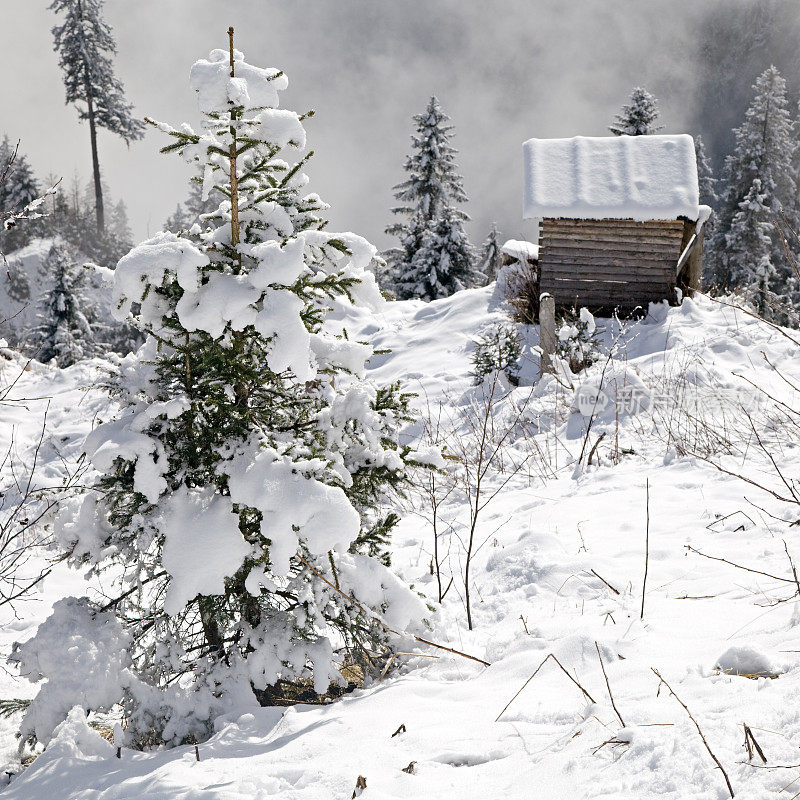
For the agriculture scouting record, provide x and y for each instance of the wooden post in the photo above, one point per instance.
(547, 332)
(694, 278)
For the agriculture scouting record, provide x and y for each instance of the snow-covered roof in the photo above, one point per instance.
(616, 177)
(520, 250)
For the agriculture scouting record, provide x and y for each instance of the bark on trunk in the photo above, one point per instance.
(98, 188)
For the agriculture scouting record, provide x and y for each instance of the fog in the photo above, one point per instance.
(504, 71)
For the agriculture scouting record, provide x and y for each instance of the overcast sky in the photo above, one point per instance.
(505, 70)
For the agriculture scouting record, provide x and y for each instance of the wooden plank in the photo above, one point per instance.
(667, 224)
(666, 256)
(578, 300)
(695, 266)
(602, 234)
(608, 267)
(610, 242)
(586, 253)
(617, 275)
(616, 289)
(595, 264)
(612, 245)
(592, 234)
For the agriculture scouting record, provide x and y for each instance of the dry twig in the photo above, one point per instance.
(750, 743)
(382, 623)
(535, 672)
(699, 730)
(608, 686)
(646, 542)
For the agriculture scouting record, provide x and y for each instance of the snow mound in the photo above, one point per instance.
(745, 660)
(520, 250)
(74, 738)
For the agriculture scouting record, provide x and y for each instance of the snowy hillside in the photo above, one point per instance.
(558, 568)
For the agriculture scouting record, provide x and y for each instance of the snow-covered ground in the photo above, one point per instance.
(554, 541)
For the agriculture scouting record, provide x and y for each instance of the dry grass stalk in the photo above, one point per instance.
(608, 686)
(750, 744)
(603, 580)
(699, 729)
(535, 672)
(646, 542)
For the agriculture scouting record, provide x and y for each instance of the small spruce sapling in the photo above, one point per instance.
(577, 341)
(499, 349)
(64, 334)
(252, 455)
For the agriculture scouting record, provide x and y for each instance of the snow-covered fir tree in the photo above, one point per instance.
(190, 211)
(765, 152)
(707, 185)
(444, 263)
(705, 174)
(85, 47)
(748, 248)
(491, 256)
(65, 334)
(638, 116)
(17, 189)
(431, 193)
(241, 490)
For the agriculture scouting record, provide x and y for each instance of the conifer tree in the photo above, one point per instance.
(17, 190)
(705, 175)
(765, 152)
(65, 334)
(638, 116)
(429, 195)
(85, 47)
(190, 212)
(253, 457)
(749, 249)
(119, 225)
(491, 256)
(443, 264)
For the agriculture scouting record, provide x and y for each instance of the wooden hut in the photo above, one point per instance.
(620, 219)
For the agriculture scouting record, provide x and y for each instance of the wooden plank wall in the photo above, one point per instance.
(609, 264)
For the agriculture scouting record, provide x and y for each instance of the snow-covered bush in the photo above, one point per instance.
(83, 658)
(499, 348)
(577, 339)
(252, 459)
(518, 285)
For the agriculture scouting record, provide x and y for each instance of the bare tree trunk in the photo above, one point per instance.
(98, 188)
(211, 631)
(232, 158)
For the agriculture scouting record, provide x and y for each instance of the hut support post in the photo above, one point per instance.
(695, 266)
(547, 333)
